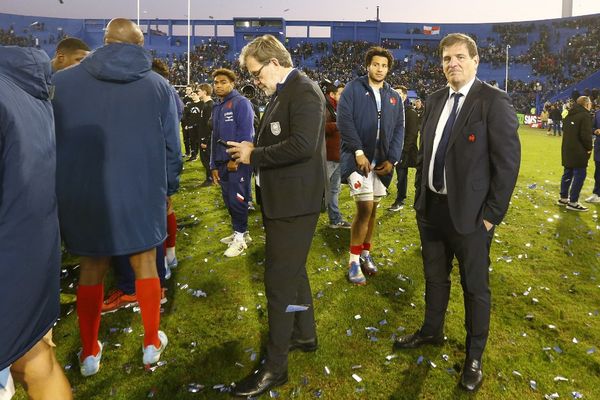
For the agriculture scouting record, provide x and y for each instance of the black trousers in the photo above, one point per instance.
(402, 183)
(187, 141)
(440, 244)
(194, 141)
(288, 242)
(205, 159)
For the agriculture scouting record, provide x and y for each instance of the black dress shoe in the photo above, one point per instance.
(472, 376)
(417, 340)
(307, 346)
(259, 382)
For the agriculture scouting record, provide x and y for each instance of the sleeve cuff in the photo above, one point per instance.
(256, 156)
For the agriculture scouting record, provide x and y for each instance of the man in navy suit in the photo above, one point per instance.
(467, 167)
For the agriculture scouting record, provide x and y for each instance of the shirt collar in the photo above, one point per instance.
(281, 84)
(463, 90)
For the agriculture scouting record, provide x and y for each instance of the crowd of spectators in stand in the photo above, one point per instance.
(304, 50)
(29, 38)
(209, 55)
(513, 34)
(391, 44)
(9, 38)
(420, 70)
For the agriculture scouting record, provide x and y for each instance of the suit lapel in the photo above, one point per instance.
(465, 111)
(274, 104)
(433, 119)
(271, 107)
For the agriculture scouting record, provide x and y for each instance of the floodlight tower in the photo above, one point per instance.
(567, 8)
(189, 34)
(506, 74)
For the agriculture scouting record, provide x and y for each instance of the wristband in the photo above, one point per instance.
(359, 153)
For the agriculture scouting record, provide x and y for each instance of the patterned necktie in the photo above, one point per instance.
(440, 155)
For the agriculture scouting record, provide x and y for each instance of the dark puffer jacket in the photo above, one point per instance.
(577, 138)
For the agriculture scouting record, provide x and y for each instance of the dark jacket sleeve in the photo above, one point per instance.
(330, 124)
(213, 140)
(397, 141)
(411, 129)
(505, 157)
(345, 120)
(584, 132)
(421, 149)
(244, 120)
(170, 127)
(178, 103)
(306, 121)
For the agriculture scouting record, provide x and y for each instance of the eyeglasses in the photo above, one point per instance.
(256, 74)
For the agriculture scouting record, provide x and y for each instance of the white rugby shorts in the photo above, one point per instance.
(366, 188)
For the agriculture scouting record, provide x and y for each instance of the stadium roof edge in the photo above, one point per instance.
(293, 22)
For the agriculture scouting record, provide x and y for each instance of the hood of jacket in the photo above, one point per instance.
(118, 62)
(364, 80)
(28, 68)
(577, 109)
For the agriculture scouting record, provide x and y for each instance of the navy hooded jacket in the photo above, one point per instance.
(118, 152)
(29, 236)
(357, 122)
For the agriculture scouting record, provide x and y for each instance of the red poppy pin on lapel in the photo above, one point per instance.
(393, 101)
(472, 138)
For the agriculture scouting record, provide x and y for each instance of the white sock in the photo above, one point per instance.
(238, 236)
(171, 254)
(354, 258)
(364, 253)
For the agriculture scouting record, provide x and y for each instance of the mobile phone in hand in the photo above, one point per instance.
(223, 143)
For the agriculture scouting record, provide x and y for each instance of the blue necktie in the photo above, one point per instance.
(440, 155)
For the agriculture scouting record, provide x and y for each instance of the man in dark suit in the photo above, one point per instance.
(468, 164)
(409, 150)
(288, 155)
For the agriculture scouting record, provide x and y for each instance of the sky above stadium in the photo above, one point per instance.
(428, 11)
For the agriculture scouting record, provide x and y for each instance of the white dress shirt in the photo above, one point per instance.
(440, 129)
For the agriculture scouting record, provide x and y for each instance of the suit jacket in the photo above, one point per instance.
(289, 151)
(411, 133)
(482, 158)
(595, 126)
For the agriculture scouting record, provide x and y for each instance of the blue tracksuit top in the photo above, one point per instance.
(233, 120)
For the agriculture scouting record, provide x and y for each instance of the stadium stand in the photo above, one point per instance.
(548, 60)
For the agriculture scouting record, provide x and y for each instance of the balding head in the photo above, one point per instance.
(585, 102)
(122, 30)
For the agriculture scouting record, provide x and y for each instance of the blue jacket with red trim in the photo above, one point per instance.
(357, 122)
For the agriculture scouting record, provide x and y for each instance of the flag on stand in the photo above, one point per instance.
(431, 30)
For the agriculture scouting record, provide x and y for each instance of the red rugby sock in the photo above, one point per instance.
(89, 305)
(148, 295)
(356, 249)
(171, 230)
